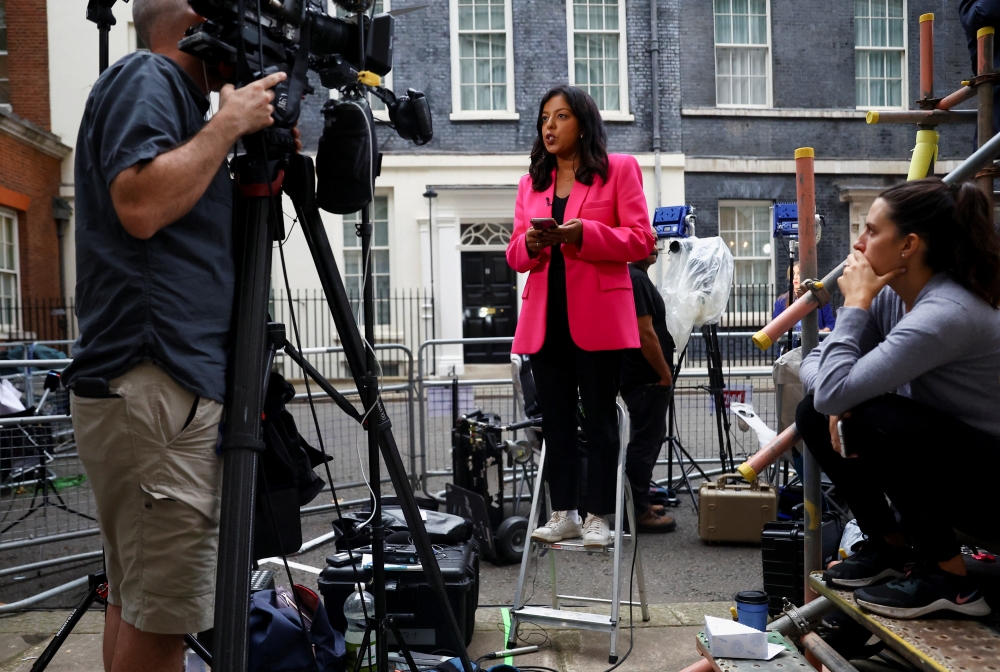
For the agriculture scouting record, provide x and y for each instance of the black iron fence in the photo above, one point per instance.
(402, 317)
(37, 320)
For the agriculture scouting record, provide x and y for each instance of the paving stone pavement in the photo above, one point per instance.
(663, 644)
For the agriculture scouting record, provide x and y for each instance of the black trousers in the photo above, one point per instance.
(562, 371)
(934, 468)
(647, 413)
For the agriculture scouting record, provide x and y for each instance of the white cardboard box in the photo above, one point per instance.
(729, 639)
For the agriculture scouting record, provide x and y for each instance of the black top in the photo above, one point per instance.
(556, 317)
(167, 299)
(635, 369)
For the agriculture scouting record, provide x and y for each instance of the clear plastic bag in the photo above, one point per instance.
(696, 284)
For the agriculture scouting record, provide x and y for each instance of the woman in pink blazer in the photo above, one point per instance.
(577, 312)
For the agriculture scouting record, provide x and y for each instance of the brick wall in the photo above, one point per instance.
(423, 61)
(28, 171)
(812, 52)
(28, 48)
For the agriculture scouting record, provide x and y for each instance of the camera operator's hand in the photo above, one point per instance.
(149, 196)
(297, 136)
(249, 108)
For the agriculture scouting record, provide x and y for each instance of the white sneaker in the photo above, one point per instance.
(559, 527)
(596, 532)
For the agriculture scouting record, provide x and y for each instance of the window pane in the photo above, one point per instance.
(758, 91)
(758, 6)
(381, 209)
(482, 17)
(352, 262)
(876, 91)
(758, 30)
(895, 32)
(497, 17)
(862, 38)
(722, 6)
(465, 21)
(350, 236)
(894, 93)
(878, 8)
(468, 96)
(381, 237)
(894, 64)
(741, 29)
(381, 261)
(580, 17)
(723, 29)
(895, 8)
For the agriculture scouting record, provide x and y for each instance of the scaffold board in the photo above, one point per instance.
(934, 645)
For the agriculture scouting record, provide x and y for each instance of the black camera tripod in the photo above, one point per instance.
(257, 225)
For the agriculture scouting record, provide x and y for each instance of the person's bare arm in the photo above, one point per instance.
(148, 197)
(649, 344)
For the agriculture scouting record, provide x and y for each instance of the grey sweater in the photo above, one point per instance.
(944, 353)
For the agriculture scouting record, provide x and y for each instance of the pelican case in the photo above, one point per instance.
(733, 510)
(782, 550)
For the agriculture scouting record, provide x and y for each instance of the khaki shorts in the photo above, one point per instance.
(158, 484)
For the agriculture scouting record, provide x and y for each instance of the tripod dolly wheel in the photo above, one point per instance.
(511, 536)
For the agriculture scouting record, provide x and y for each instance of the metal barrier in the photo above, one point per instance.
(44, 493)
(45, 497)
(694, 417)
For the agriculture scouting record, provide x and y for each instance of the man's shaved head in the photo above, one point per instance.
(155, 19)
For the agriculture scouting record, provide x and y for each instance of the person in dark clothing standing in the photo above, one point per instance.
(976, 14)
(646, 383)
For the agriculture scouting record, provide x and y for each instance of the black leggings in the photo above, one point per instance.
(560, 369)
(934, 468)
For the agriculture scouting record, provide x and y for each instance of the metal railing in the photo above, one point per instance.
(418, 404)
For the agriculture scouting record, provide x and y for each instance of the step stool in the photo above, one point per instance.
(555, 616)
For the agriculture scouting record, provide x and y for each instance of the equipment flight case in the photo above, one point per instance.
(409, 599)
(782, 550)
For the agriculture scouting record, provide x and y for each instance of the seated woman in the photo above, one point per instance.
(913, 371)
(577, 312)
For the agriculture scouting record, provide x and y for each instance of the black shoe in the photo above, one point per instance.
(874, 562)
(924, 589)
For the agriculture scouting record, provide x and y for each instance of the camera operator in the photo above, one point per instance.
(154, 299)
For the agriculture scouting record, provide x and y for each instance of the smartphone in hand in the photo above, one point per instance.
(543, 223)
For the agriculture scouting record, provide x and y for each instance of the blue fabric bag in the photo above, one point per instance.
(277, 643)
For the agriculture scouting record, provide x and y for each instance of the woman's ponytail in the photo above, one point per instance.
(975, 261)
(957, 226)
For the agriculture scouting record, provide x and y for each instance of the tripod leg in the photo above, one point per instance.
(198, 648)
(67, 627)
(300, 179)
(244, 401)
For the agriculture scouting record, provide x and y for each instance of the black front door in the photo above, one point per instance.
(489, 302)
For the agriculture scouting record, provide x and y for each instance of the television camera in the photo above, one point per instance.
(244, 40)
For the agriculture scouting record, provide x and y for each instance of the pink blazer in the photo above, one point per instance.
(616, 230)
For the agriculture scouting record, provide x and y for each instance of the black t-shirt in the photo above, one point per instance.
(556, 316)
(635, 369)
(167, 299)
